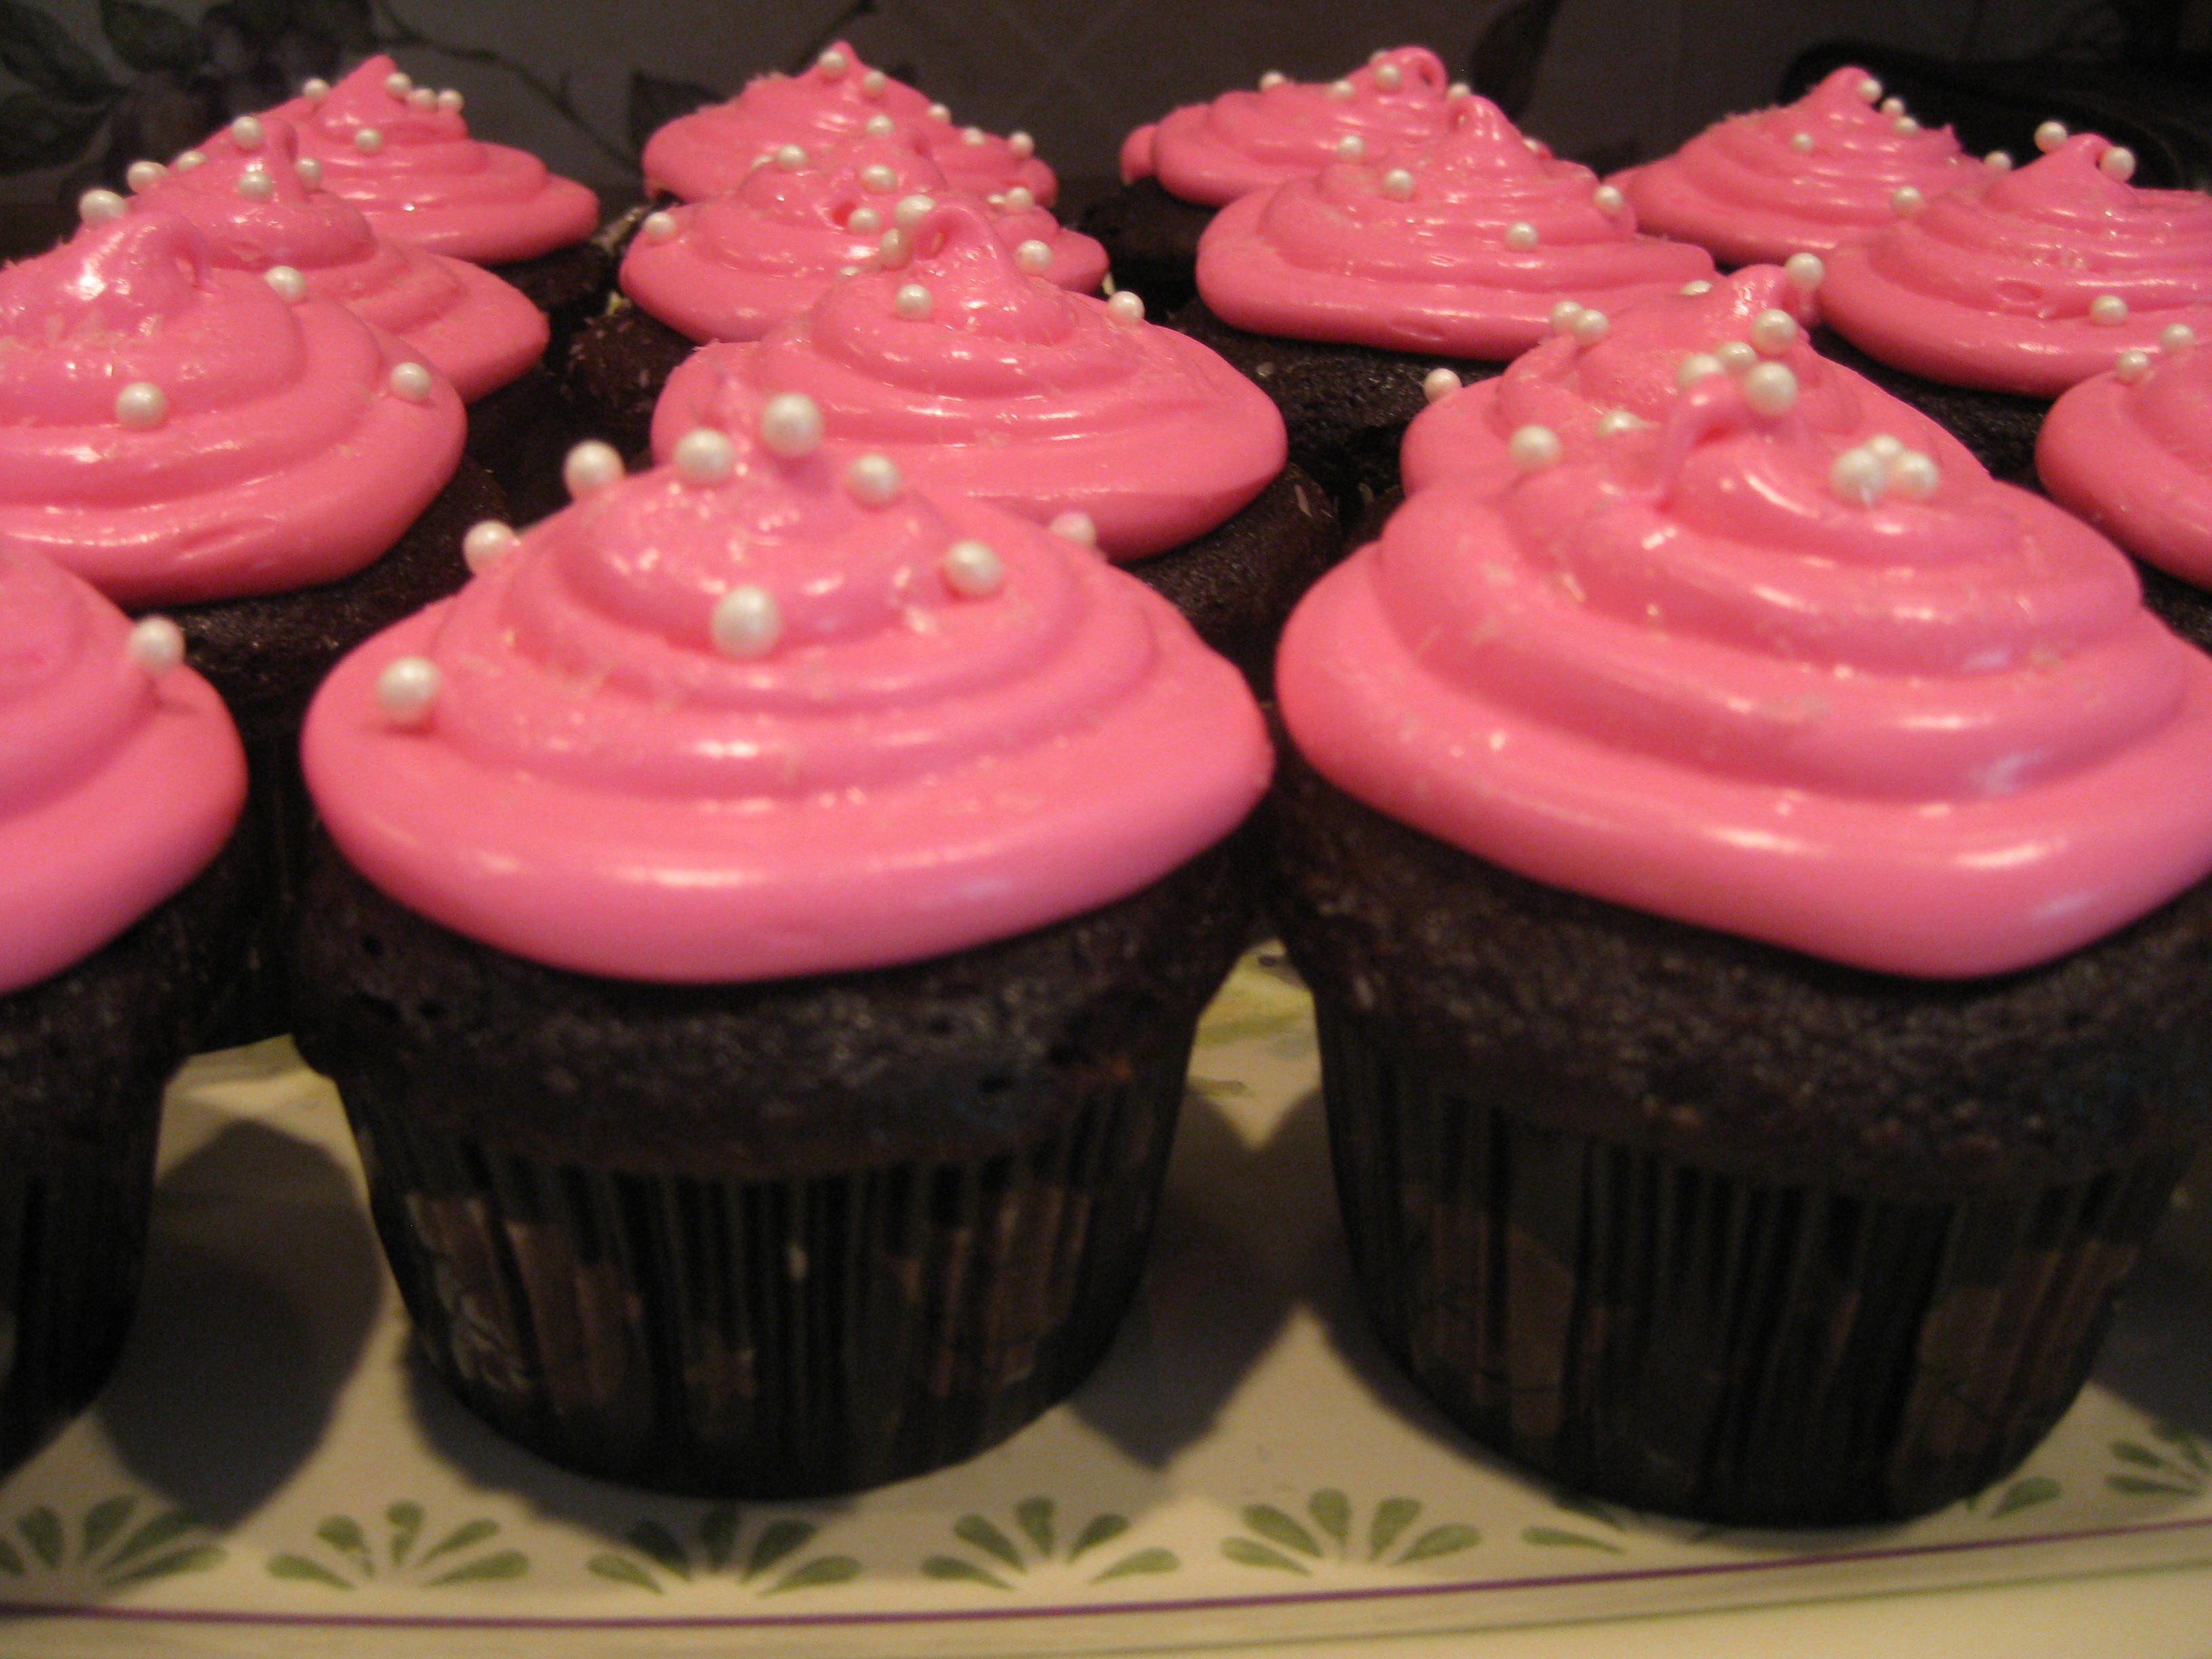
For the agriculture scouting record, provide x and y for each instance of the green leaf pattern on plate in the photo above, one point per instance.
(719, 1545)
(1276, 1539)
(996, 1555)
(2177, 1466)
(111, 1544)
(346, 1554)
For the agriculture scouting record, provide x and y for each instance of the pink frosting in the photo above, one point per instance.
(2003, 287)
(1633, 364)
(2132, 452)
(425, 181)
(1462, 248)
(732, 268)
(1212, 154)
(907, 765)
(270, 449)
(710, 151)
(1937, 735)
(1003, 387)
(118, 783)
(1753, 188)
(476, 330)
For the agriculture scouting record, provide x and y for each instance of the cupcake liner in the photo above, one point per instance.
(773, 1337)
(1669, 1337)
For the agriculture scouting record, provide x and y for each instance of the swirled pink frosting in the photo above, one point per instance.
(117, 784)
(731, 268)
(710, 151)
(2002, 288)
(2132, 452)
(1212, 154)
(1462, 248)
(476, 330)
(908, 769)
(1006, 388)
(422, 179)
(1808, 176)
(1633, 368)
(278, 454)
(1937, 735)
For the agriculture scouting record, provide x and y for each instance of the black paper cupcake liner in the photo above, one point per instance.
(1657, 1333)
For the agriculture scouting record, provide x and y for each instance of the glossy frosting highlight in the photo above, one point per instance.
(1585, 380)
(1803, 177)
(420, 178)
(709, 152)
(118, 782)
(754, 716)
(258, 212)
(973, 375)
(1461, 249)
(173, 432)
(1213, 153)
(2130, 450)
(1751, 679)
(732, 268)
(2032, 283)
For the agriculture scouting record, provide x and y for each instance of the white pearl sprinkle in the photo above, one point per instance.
(1521, 235)
(2049, 136)
(2108, 310)
(411, 381)
(791, 424)
(186, 160)
(288, 283)
(1914, 476)
(1342, 89)
(156, 645)
(1126, 307)
(911, 210)
(314, 89)
(878, 179)
(1272, 79)
(2118, 162)
(1801, 142)
(1737, 357)
(398, 83)
(833, 63)
(1773, 331)
(1534, 146)
(1021, 199)
(1022, 144)
(940, 112)
(2177, 336)
(873, 82)
(98, 207)
(704, 456)
(912, 301)
(450, 100)
(1398, 184)
(422, 99)
(408, 689)
(1807, 272)
(1869, 89)
(308, 170)
(1698, 366)
(1690, 290)
(489, 541)
(1389, 76)
(1034, 257)
(245, 132)
(1769, 388)
(1887, 446)
(1998, 160)
(659, 227)
(790, 158)
(1905, 127)
(141, 406)
(1615, 421)
(865, 222)
(1459, 89)
(591, 466)
(1606, 198)
(747, 621)
(973, 135)
(879, 126)
(1905, 200)
(1563, 312)
(2131, 366)
(1075, 527)
(367, 140)
(874, 480)
(144, 175)
(1351, 147)
(1893, 106)
(1439, 384)
(1590, 326)
(256, 186)
(973, 571)
(1533, 447)
(1856, 477)
(894, 248)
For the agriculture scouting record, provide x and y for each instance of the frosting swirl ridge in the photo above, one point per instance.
(2130, 450)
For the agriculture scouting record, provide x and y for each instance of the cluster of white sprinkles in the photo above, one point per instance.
(1883, 466)
(2133, 364)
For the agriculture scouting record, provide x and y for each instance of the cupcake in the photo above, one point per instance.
(1807, 177)
(1598, 374)
(732, 267)
(120, 779)
(1981, 305)
(773, 912)
(709, 152)
(971, 373)
(1342, 292)
(1753, 892)
(1176, 171)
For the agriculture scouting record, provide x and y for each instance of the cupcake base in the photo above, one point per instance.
(1150, 240)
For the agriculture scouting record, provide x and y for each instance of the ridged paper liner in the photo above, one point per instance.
(768, 1338)
(1649, 1332)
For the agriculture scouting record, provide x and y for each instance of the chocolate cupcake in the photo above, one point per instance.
(762, 973)
(1753, 894)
